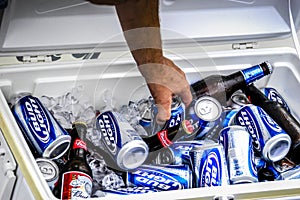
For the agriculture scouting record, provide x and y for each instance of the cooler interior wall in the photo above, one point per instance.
(121, 78)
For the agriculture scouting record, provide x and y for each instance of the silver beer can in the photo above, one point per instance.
(49, 170)
(209, 166)
(237, 143)
(238, 99)
(121, 141)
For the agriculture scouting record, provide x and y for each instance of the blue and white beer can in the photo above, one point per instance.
(237, 143)
(121, 141)
(268, 138)
(44, 134)
(201, 117)
(177, 115)
(273, 95)
(209, 166)
(162, 178)
(113, 192)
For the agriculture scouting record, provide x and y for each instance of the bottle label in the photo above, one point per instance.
(163, 138)
(252, 74)
(76, 185)
(79, 144)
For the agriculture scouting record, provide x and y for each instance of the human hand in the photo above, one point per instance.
(164, 80)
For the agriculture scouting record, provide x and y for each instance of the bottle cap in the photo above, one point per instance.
(208, 108)
(270, 67)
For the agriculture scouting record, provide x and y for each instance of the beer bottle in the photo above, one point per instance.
(281, 116)
(222, 87)
(75, 180)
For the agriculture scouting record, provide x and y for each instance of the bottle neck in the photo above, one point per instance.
(78, 153)
(79, 149)
(254, 73)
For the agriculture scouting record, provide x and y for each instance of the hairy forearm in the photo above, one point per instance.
(140, 22)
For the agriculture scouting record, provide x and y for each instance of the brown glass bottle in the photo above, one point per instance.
(75, 179)
(218, 86)
(222, 87)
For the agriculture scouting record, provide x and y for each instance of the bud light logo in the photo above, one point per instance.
(268, 121)
(211, 170)
(109, 131)
(155, 179)
(38, 122)
(245, 118)
(175, 120)
(273, 95)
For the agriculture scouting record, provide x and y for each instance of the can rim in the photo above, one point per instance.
(56, 143)
(53, 164)
(273, 142)
(122, 158)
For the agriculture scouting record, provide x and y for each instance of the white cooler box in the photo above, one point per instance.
(63, 44)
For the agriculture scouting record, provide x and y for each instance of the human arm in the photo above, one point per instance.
(139, 20)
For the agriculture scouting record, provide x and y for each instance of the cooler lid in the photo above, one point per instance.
(68, 24)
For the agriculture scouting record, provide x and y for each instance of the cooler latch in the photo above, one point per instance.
(35, 59)
(244, 45)
(224, 197)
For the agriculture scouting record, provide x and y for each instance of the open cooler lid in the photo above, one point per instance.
(35, 25)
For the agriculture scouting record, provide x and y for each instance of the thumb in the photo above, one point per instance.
(164, 113)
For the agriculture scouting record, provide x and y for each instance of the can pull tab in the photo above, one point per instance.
(224, 197)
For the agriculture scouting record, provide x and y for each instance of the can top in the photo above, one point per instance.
(132, 155)
(208, 108)
(58, 147)
(277, 147)
(239, 98)
(48, 168)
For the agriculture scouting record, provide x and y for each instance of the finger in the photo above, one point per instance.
(186, 96)
(164, 113)
(163, 103)
(163, 100)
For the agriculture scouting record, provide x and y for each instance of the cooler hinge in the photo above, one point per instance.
(244, 45)
(35, 59)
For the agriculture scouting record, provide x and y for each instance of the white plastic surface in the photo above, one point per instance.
(21, 190)
(53, 25)
(125, 82)
(7, 169)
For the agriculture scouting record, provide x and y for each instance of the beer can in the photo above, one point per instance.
(268, 138)
(237, 144)
(272, 94)
(49, 170)
(43, 133)
(177, 153)
(201, 117)
(209, 166)
(126, 191)
(280, 167)
(229, 115)
(238, 99)
(162, 178)
(177, 114)
(121, 141)
(290, 174)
